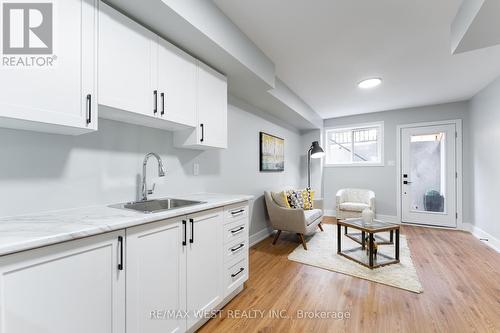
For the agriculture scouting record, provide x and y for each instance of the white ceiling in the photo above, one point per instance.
(323, 48)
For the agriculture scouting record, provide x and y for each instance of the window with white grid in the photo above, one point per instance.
(355, 145)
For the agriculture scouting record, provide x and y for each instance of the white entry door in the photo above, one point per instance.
(429, 175)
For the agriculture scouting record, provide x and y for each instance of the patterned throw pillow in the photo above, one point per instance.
(308, 197)
(295, 200)
(301, 199)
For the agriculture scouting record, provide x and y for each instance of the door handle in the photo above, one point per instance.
(406, 182)
(191, 240)
(120, 244)
(155, 96)
(202, 132)
(184, 224)
(237, 212)
(89, 107)
(162, 103)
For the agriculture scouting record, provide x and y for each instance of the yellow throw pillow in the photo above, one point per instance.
(281, 199)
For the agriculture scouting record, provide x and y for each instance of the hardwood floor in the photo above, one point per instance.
(460, 276)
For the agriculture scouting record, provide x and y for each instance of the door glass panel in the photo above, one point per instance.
(427, 172)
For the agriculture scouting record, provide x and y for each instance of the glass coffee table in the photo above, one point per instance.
(368, 230)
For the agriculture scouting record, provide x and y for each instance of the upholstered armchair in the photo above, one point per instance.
(299, 221)
(351, 202)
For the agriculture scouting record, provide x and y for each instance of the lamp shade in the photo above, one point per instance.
(316, 150)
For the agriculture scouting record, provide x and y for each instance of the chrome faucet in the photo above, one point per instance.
(161, 173)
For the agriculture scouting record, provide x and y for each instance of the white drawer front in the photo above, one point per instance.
(236, 275)
(236, 250)
(235, 212)
(235, 230)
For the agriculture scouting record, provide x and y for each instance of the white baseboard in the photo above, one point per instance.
(483, 236)
(329, 212)
(388, 218)
(259, 236)
(467, 227)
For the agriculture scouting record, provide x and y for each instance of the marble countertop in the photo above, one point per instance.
(24, 232)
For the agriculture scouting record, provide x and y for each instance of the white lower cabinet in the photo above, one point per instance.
(156, 277)
(235, 275)
(176, 271)
(204, 263)
(72, 287)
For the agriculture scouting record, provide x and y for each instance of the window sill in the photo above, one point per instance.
(354, 165)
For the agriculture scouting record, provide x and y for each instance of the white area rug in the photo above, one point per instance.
(322, 252)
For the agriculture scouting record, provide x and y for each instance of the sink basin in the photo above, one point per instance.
(157, 205)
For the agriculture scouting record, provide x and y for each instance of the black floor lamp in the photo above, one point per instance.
(315, 151)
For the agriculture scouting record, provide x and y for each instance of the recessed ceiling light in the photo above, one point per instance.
(370, 83)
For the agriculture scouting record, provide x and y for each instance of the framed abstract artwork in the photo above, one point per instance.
(272, 153)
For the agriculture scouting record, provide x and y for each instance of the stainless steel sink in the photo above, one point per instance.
(157, 205)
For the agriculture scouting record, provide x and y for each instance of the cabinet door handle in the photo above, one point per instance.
(184, 224)
(237, 230)
(237, 212)
(155, 97)
(191, 240)
(202, 132)
(241, 270)
(162, 103)
(89, 109)
(120, 244)
(237, 248)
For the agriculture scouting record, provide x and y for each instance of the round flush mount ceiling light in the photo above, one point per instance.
(370, 83)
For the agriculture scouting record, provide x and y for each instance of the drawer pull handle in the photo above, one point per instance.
(235, 274)
(237, 212)
(238, 247)
(237, 230)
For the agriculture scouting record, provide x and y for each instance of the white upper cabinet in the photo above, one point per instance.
(211, 109)
(127, 52)
(145, 80)
(176, 84)
(51, 90)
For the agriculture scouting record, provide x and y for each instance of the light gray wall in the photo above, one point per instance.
(383, 179)
(485, 161)
(40, 172)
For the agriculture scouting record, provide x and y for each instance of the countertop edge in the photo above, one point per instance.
(140, 219)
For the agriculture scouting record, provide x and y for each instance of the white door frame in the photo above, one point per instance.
(459, 161)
